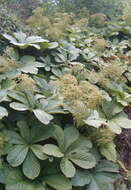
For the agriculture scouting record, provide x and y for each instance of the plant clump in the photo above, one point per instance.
(80, 96)
(97, 20)
(101, 136)
(25, 82)
(110, 72)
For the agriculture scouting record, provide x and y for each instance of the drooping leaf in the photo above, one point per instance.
(67, 168)
(109, 151)
(81, 178)
(31, 166)
(58, 182)
(16, 180)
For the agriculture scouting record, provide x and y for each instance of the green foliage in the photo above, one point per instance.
(20, 39)
(99, 178)
(62, 103)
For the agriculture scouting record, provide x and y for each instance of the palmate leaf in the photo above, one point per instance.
(28, 64)
(16, 181)
(81, 144)
(29, 102)
(31, 166)
(76, 150)
(21, 40)
(112, 108)
(101, 181)
(119, 121)
(100, 178)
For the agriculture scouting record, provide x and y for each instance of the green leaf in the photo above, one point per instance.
(94, 120)
(3, 112)
(58, 182)
(16, 181)
(2, 176)
(67, 168)
(107, 166)
(109, 151)
(99, 178)
(24, 130)
(101, 181)
(19, 96)
(38, 151)
(53, 45)
(81, 178)
(18, 106)
(40, 133)
(71, 134)
(119, 121)
(20, 39)
(31, 166)
(128, 75)
(14, 138)
(52, 150)
(59, 136)
(83, 160)
(42, 116)
(82, 144)
(111, 108)
(17, 155)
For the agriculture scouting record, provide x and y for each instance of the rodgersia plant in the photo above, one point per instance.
(61, 106)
